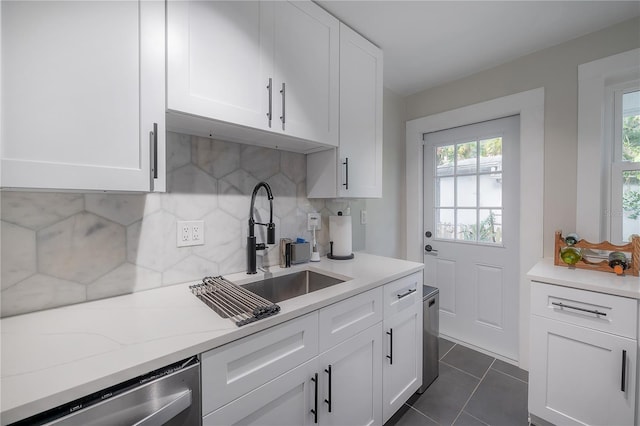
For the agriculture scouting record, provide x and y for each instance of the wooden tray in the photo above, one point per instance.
(633, 248)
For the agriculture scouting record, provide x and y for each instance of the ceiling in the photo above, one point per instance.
(429, 43)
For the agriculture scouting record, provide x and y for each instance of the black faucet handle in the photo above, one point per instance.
(271, 233)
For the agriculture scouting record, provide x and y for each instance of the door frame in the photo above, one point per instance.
(530, 106)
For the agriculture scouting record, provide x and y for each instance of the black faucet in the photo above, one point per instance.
(252, 246)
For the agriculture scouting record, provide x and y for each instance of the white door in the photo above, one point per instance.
(219, 60)
(581, 376)
(306, 71)
(83, 91)
(351, 381)
(471, 235)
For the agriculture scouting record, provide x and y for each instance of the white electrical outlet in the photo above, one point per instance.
(190, 233)
(314, 219)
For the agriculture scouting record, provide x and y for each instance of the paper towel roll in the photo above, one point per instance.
(340, 234)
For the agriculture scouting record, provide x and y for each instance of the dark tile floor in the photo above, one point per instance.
(472, 389)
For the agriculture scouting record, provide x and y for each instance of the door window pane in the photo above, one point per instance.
(466, 191)
(444, 160)
(490, 229)
(467, 229)
(445, 192)
(445, 223)
(467, 157)
(491, 190)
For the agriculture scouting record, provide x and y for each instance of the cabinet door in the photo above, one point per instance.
(360, 116)
(402, 363)
(83, 85)
(287, 401)
(345, 319)
(218, 63)
(306, 54)
(232, 370)
(576, 376)
(355, 168)
(355, 378)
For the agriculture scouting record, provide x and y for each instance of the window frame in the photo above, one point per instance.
(614, 116)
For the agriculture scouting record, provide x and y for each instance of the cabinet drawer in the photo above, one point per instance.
(234, 369)
(342, 320)
(604, 312)
(402, 294)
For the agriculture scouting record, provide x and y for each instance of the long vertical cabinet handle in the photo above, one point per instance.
(314, 411)
(328, 401)
(624, 371)
(346, 168)
(390, 356)
(270, 89)
(283, 116)
(155, 150)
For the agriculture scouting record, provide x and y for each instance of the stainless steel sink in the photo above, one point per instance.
(277, 289)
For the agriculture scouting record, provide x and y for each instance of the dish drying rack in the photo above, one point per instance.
(233, 301)
(633, 248)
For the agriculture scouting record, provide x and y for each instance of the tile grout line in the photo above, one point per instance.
(474, 391)
(445, 354)
(513, 377)
(423, 414)
(462, 371)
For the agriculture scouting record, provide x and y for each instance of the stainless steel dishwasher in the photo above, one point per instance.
(430, 311)
(167, 396)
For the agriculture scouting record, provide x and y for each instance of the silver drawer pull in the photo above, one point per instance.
(591, 311)
(408, 292)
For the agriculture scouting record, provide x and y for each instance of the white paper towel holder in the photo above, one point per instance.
(330, 255)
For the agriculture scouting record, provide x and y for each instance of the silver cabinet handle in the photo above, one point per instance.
(408, 292)
(169, 411)
(270, 89)
(282, 117)
(591, 311)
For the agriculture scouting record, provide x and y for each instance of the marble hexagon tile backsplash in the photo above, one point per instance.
(65, 248)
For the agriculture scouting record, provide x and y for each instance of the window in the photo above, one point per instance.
(468, 191)
(608, 163)
(625, 167)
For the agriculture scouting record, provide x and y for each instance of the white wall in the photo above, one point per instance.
(385, 227)
(555, 69)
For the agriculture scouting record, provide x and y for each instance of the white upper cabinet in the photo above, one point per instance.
(354, 170)
(261, 73)
(82, 92)
(215, 63)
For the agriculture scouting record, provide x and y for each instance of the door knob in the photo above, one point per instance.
(429, 249)
(428, 234)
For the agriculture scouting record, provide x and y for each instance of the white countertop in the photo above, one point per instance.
(55, 356)
(602, 282)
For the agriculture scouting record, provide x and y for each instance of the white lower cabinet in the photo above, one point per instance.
(579, 374)
(327, 367)
(351, 381)
(402, 348)
(285, 401)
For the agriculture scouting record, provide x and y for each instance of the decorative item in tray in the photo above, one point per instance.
(604, 256)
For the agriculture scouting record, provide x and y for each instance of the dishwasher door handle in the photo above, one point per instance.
(168, 411)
